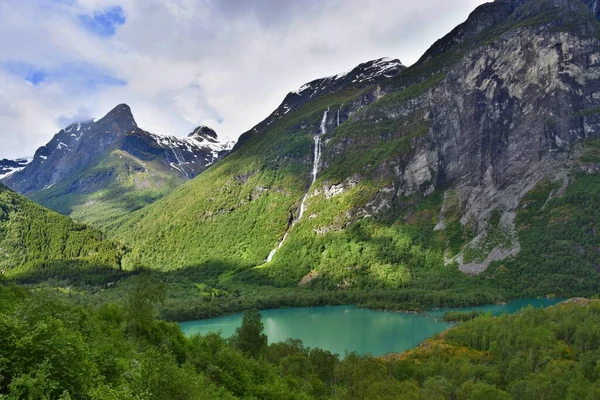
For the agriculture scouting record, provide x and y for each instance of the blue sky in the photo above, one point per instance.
(181, 63)
(103, 22)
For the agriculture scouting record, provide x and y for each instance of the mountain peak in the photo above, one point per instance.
(203, 132)
(121, 112)
(363, 73)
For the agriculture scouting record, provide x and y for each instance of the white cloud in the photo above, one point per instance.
(191, 62)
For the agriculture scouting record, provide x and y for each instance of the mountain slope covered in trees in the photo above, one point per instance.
(36, 240)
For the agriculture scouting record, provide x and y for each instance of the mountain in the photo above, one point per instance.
(361, 76)
(33, 238)
(96, 171)
(9, 167)
(480, 159)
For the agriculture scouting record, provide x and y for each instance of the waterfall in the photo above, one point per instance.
(338, 118)
(324, 122)
(180, 160)
(315, 171)
(272, 253)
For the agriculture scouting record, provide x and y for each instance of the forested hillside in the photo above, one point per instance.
(36, 240)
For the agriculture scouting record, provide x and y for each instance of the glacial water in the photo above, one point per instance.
(349, 328)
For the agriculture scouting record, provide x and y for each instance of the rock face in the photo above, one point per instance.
(498, 117)
(112, 160)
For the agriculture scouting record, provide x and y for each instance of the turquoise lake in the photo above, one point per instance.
(349, 328)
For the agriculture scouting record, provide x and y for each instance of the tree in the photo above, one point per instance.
(141, 301)
(249, 338)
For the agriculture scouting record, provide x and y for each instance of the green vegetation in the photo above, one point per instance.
(53, 349)
(115, 186)
(249, 338)
(461, 316)
(34, 239)
(235, 212)
(559, 242)
(591, 152)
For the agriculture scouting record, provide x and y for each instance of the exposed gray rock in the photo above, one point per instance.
(504, 116)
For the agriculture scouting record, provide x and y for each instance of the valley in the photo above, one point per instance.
(343, 246)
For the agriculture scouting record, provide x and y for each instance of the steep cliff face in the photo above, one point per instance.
(98, 171)
(496, 121)
(407, 179)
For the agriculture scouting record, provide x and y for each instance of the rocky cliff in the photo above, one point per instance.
(507, 99)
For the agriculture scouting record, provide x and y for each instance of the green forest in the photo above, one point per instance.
(36, 240)
(51, 348)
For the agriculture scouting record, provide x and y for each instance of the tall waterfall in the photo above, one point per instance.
(315, 171)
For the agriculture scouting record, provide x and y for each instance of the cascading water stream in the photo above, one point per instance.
(180, 160)
(315, 171)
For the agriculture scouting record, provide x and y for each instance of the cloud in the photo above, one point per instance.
(182, 63)
(75, 76)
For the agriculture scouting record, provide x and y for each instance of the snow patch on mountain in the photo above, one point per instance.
(9, 167)
(364, 72)
(192, 145)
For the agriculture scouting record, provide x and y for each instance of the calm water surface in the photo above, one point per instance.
(348, 328)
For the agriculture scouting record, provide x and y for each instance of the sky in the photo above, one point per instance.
(183, 63)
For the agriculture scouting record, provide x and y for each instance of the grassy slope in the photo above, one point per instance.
(118, 185)
(33, 238)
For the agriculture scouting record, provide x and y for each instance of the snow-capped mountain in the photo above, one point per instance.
(366, 72)
(83, 144)
(363, 75)
(189, 155)
(113, 160)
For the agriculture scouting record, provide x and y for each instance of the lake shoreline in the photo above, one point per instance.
(413, 309)
(351, 328)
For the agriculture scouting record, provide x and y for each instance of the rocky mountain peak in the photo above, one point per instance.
(203, 132)
(365, 74)
(120, 115)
